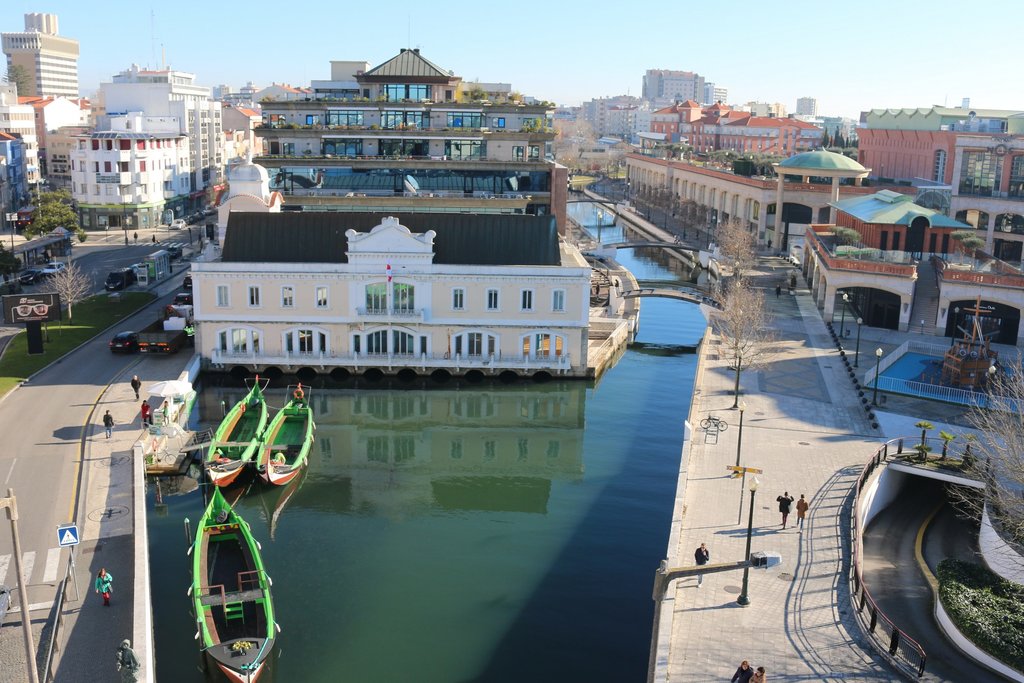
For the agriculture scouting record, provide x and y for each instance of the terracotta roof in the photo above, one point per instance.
(718, 106)
(7, 136)
(690, 104)
(245, 111)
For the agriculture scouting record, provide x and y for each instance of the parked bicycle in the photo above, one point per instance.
(712, 422)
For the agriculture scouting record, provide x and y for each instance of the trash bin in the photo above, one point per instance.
(763, 560)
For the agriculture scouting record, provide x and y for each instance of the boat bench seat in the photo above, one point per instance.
(240, 596)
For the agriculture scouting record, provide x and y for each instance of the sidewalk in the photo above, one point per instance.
(805, 427)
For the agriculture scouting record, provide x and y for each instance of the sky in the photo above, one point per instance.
(850, 56)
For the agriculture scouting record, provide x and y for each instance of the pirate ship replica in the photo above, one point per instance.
(967, 362)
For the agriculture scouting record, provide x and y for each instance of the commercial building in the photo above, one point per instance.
(806, 106)
(714, 94)
(136, 174)
(776, 109)
(167, 94)
(50, 61)
(415, 138)
(665, 86)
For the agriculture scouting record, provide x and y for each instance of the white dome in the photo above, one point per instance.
(248, 172)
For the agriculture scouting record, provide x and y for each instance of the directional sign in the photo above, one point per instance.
(738, 470)
(67, 535)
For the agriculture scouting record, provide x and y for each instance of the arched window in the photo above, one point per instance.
(475, 344)
(542, 345)
(303, 341)
(394, 341)
(239, 340)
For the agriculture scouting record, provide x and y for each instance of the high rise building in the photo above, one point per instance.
(806, 106)
(663, 86)
(50, 61)
(713, 94)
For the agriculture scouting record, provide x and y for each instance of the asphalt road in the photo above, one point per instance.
(892, 575)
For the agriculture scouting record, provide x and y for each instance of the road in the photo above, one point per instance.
(892, 575)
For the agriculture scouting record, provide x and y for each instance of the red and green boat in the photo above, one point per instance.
(237, 438)
(287, 441)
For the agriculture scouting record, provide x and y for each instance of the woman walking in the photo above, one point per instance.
(104, 585)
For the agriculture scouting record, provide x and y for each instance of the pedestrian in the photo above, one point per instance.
(785, 502)
(758, 676)
(778, 291)
(108, 423)
(146, 414)
(743, 674)
(136, 237)
(154, 238)
(127, 662)
(769, 245)
(136, 384)
(104, 585)
(801, 510)
(702, 556)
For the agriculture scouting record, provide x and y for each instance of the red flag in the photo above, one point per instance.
(388, 271)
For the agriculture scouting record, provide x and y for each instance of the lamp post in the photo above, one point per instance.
(124, 211)
(842, 323)
(739, 437)
(856, 353)
(26, 622)
(744, 599)
(736, 388)
(878, 364)
(956, 326)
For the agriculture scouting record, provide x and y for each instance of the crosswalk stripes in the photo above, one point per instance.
(28, 567)
(28, 563)
(52, 565)
(5, 561)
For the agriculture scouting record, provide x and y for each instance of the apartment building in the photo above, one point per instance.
(49, 60)
(19, 120)
(719, 127)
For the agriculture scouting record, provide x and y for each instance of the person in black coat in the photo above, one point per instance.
(743, 674)
(785, 502)
(702, 556)
(136, 385)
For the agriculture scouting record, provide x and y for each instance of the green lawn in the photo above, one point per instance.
(91, 317)
(581, 181)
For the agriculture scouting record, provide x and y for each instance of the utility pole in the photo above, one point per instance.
(26, 623)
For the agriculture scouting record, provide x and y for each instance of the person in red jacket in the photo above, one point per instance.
(147, 414)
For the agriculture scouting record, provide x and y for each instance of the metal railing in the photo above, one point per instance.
(900, 649)
(560, 362)
(48, 672)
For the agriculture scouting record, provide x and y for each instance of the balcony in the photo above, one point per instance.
(424, 362)
(403, 314)
(835, 256)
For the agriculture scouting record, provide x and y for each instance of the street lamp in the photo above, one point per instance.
(739, 437)
(736, 388)
(856, 353)
(956, 326)
(878, 364)
(744, 599)
(842, 323)
(124, 210)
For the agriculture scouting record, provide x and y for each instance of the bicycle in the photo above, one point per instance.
(712, 422)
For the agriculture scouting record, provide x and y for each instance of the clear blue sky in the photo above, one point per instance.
(850, 56)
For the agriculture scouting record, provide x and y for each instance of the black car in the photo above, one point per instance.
(187, 283)
(119, 279)
(124, 342)
(27, 277)
(175, 251)
(183, 299)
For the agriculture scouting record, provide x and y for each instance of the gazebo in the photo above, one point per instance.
(820, 164)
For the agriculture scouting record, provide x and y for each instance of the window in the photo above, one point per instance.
(342, 147)
(466, 120)
(305, 341)
(518, 153)
(345, 118)
(465, 149)
(558, 300)
(534, 152)
(939, 172)
(254, 296)
(980, 173)
(492, 299)
(403, 297)
(526, 301)
(458, 299)
(321, 297)
(1016, 188)
(287, 297)
(399, 119)
(498, 122)
(223, 301)
(377, 297)
(403, 343)
(312, 119)
(406, 91)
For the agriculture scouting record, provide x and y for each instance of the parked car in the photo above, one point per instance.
(124, 342)
(51, 269)
(119, 279)
(29, 276)
(175, 251)
(177, 224)
(183, 299)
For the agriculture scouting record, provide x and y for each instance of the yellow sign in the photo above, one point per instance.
(742, 470)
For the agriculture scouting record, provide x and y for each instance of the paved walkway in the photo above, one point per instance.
(805, 427)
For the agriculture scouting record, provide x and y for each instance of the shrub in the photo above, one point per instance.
(985, 608)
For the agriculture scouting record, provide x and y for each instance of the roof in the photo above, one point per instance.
(251, 113)
(892, 208)
(462, 239)
(406, 64)
(822, 160)
(774, 122)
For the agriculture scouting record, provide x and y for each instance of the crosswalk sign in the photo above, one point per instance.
(67, 535)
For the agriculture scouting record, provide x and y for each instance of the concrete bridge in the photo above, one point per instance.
(692, 296)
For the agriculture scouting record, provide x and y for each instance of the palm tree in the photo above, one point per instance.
(923, 448)
(946, 439)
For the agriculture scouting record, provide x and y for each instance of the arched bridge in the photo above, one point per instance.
(650, 243)
(692, 296)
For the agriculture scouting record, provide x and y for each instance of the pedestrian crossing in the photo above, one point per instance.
(47, 573)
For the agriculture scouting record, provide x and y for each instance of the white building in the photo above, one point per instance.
(133, 174)
(775, 109)
(166, 93)
(51, 114)
(19, 120)
(364, 293)
(714, 94)
(51, 61)
(807, 106)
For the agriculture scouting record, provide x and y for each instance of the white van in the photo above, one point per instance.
(178, 224)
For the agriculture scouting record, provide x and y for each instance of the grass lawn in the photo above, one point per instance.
(92, 316)
(581, 181)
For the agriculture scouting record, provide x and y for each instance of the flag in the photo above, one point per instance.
(388, 271)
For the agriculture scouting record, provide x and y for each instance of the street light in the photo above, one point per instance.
(739, 437)
(744, 599)
(878, 364)
(842, 323)
(736, 389)
(856, 353)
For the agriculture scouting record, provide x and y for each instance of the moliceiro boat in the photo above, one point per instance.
(238, 437)
(231, 594)
(287, 440)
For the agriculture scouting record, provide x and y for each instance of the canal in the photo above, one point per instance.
(461, 532)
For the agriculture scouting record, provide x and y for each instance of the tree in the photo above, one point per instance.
(947, 438)
(923, 447)
(18, 75)
(845, 236)
(736, 242)
(9, 263)
(969, 242)
(53, 210)
(743, 325)
(72, 285)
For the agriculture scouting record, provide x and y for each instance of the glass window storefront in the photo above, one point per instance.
(344, 118)
(465, 149)
(980, 173)
(407, 91)
(397, 119)
(465, 120)
(343, 147)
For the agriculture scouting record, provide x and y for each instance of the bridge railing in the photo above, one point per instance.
(901, 650)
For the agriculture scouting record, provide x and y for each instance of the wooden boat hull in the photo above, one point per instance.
(225, 473)
(231, 594)
(237, 438)
(287, 441)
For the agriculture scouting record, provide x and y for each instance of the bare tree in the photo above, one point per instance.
(743, 323)
(737, 244)
(72, 285)
(997, 455)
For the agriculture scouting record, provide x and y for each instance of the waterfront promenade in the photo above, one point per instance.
(805, 427)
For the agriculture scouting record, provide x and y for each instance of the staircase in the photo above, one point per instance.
(926, 299)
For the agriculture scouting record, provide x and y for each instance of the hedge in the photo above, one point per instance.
(986, 609)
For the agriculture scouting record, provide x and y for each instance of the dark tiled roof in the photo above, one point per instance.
(407, 64)
(463, 239)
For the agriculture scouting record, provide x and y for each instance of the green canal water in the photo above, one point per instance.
(460, 532)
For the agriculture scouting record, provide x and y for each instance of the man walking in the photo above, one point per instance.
(108, 423)
(801, 511)
(127, 662)
(785, 502)
(702, 556)
(136, 385)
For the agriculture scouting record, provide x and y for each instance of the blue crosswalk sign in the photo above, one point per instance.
(67, 535)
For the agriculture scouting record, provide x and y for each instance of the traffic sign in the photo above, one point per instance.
(741, 470)
(67, 535)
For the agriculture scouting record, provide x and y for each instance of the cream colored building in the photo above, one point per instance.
(359, 292)
(49, 60)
